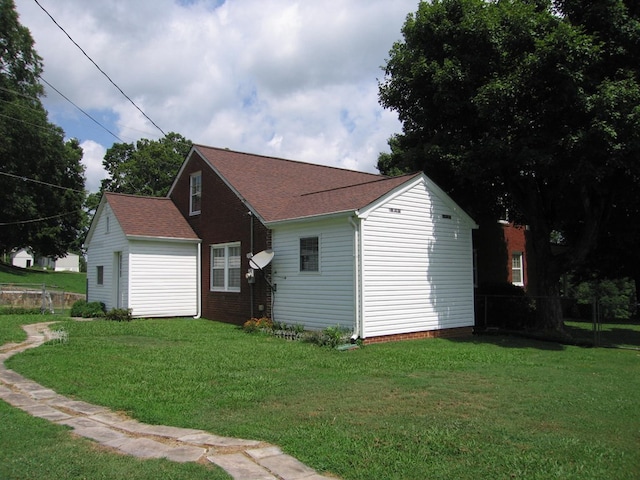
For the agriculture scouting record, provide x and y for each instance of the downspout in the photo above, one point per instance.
(251, 250)
(199, 281)
(356, 281)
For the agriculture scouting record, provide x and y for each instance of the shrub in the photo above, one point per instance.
(504, 305)
(85, 309)
(119, 315)
(616, 298)
(263, 324)
(330, 337)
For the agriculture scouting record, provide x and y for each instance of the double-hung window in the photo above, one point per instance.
(517, 272)
(225, 267)
(195, 189)
(309, 254)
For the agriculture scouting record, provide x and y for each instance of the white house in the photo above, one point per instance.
(401, 264)
(142, 255)
(386, 257)
(69, 263)
(22, 258)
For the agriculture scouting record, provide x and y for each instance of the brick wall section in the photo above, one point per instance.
(446, 333)
(515, 239)
(223, 218)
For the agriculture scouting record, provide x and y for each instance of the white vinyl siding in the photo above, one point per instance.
(417, 265)
(163, 279)
(323, 298)
(100, 252)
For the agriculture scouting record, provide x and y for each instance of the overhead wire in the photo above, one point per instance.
(90, 117)
(98, 67)
(34, 220)
(27, 179)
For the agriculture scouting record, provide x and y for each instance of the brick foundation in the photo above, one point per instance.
(445, 333)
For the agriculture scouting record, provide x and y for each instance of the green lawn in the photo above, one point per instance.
(484, 407)
(66, 281)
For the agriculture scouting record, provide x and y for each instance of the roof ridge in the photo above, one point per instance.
(300, 162)
(382, 179)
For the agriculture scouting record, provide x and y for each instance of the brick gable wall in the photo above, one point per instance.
(223, 219)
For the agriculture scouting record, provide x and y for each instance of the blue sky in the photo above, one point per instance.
(286, 78)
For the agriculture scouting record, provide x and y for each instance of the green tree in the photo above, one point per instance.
(146, 168)
(529, 105)
(41, 177)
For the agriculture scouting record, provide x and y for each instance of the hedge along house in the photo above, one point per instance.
(384, 257)
(143, 255)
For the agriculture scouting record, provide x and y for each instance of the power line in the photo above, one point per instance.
(98, 67)
(93, 119)
(51, 129)
(41, 219)
(27, 179)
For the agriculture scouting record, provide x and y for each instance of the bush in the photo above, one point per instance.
(253, 325)
(85, 309)
(119, 315)
(331, 337)
(504, 305)
(616, 298)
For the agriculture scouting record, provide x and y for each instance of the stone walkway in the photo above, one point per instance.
(242, 459)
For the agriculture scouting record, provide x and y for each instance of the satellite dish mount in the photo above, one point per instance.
(258, 262)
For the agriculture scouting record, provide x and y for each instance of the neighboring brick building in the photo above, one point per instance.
(500, 254)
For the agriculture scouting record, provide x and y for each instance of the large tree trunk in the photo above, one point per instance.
(544, 274)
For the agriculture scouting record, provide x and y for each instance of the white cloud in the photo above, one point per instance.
(92, 161)
(277, 77)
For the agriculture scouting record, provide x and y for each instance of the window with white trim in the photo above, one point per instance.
(100, 275)
(225, 267)
(195, 196)
(309, 254)
(517, 272)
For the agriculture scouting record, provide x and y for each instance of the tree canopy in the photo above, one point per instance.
(147, 167)
(41, 177)
(527, 105)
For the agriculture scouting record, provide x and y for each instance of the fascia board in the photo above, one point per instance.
(310, 218)
(94, 220)
(163, 239)
(182, 167)
(432, 186)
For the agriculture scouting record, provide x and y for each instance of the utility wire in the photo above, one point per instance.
(49, 129)
(93, 119)
(98, 67)
(42, 219)
(27, 179)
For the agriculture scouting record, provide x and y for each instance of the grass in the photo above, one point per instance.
(67, 281)
(35, 448)
(483, 407)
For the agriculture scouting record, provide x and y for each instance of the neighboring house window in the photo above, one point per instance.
(195, 187)
(517, 274)
(309, 254)
(106, 228)
(100, 275)
(225, 267)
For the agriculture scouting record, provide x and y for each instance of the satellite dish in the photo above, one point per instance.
(261, 259)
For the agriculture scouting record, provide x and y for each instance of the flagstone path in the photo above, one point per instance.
(242, 459)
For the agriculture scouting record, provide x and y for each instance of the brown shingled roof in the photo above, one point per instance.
(149, 217)
(280, 189)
